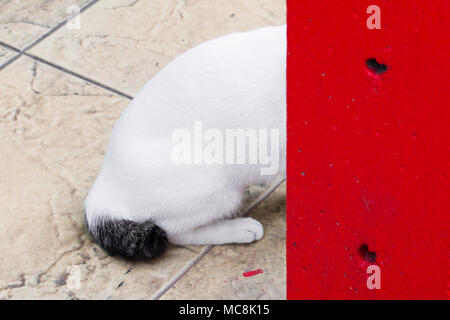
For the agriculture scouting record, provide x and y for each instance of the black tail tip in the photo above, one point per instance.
(129, 239)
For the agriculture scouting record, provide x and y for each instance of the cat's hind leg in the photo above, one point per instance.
(238, 230)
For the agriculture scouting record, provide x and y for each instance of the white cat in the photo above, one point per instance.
(142, 198)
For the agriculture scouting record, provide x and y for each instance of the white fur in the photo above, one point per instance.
(235, 81)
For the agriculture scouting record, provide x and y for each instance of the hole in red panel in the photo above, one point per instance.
(366, 254)
(375, 67)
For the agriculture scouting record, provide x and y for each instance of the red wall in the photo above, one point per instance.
(368, 154)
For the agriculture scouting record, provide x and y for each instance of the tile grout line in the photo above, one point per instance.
(169, 284)
(51, 64)
(77, 75)
(10, 60)
(14, 58)
(43, 36)
(59, 25)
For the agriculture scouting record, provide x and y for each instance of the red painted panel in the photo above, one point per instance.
(368, 154)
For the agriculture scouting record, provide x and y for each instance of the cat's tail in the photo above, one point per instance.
(129, 239)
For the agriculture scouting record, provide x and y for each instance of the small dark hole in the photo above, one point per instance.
(366, 254)
(375, 66)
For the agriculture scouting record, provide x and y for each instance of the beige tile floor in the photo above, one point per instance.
(61, 91)
(6, 55)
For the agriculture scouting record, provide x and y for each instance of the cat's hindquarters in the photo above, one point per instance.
(129, 239)
(146, 193)
(118, 232)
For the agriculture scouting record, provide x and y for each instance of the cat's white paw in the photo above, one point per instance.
(247, 230)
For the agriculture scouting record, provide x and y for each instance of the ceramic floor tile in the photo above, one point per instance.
(6, 55)
(219, 275)
(23, 21)
(54, 130)
(123, 43)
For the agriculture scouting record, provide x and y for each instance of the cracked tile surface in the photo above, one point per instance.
(23, 21)
(219, 275)
(54, 130)
(134, 39)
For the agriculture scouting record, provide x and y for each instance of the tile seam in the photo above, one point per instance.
(58, 26)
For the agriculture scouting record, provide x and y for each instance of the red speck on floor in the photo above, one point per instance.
(252, 273)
